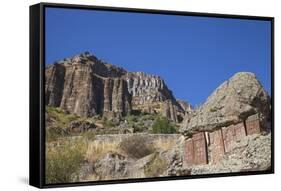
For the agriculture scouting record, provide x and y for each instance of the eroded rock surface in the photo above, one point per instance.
(232, 102)
(111, 166)
(86, 86)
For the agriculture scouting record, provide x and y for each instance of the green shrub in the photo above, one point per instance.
(109, 122)
(163, 126)
(131, 119)
(63, 161)
(89, 135)
(149, 117)
(136, 147)
(140, 127)
(61, 117)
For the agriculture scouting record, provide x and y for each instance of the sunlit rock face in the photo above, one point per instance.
(87, 86)
(150, 94)
(232, 102)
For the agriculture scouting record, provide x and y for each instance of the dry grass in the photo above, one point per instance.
(134, 147)
(164, 144)
(64, 159)
(93, 177)
(97, 149)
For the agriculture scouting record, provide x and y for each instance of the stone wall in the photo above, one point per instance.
(209, 147)
(156, 140)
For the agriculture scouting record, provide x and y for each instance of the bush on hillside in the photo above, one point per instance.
(163, 126)
(64, 160)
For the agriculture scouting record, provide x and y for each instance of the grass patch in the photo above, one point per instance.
(63, 160)
(164, 144)
(131, 119)
(54, 133)
(89, 135)
(109, 123)
(97, 149)
(62, 118)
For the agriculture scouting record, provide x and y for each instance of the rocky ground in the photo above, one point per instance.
(250, 154)
(137, 157)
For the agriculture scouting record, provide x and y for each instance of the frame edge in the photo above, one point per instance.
(35, 170)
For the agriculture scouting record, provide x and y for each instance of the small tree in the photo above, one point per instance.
(163, 126)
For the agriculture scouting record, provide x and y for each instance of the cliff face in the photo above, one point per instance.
(86, 86)
(150, 94)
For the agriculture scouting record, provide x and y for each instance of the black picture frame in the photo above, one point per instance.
(37, 105)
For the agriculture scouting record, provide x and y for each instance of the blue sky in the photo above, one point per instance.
(194, 55)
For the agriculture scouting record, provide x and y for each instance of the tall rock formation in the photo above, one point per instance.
(150, 94)
(232, 102)
(86, 86)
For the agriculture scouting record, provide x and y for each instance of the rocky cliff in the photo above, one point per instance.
(150, 94)
(232, 102)
(87, 86)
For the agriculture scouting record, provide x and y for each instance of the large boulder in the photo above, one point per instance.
(232, 102)
(111, 166)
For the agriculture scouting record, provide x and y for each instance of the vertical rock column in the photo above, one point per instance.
(54, 84)
(108, 88)
(169, 111)
(82, 93)
(121, 101)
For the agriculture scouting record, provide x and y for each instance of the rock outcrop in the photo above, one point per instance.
(86, 86)
(111, 166)
(80, 126)
(150, 94)
(185, 106)
(231, 103)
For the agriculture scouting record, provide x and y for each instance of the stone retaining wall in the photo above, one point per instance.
(156, 140)
(117, 138)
